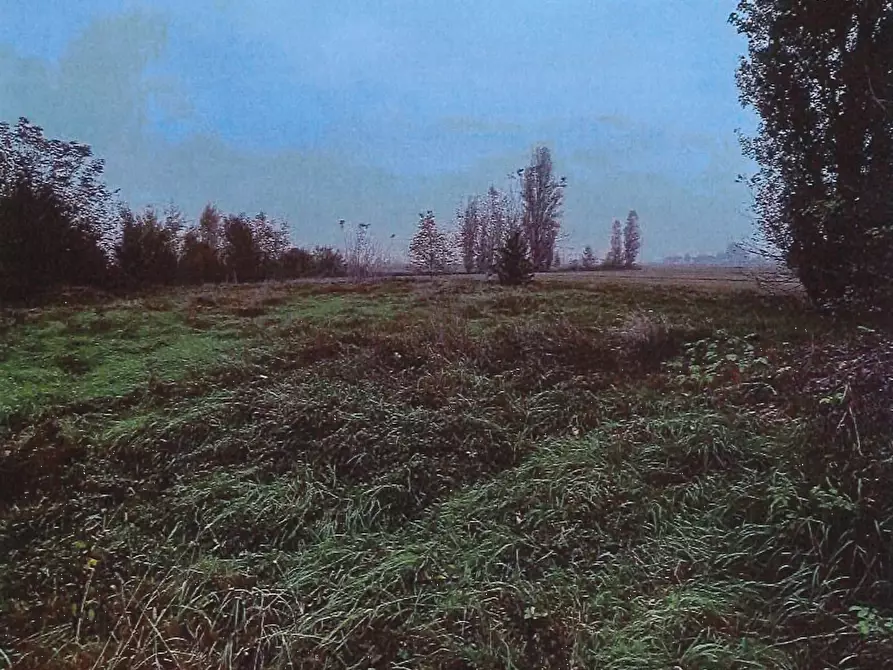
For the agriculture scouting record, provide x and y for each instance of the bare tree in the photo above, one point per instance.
(363, 256)
(542, 196)
(470, 228)
(632, 239)
(499, 216)
(615, 253)
(429, 251)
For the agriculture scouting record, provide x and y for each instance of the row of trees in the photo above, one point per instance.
(232, 247)
(60, 224)
(623, 250)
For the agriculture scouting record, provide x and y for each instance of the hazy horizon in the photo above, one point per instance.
(375, 112)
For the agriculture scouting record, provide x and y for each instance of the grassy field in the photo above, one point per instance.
(443, 474)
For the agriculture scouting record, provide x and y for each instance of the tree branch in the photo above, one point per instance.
(881, 102)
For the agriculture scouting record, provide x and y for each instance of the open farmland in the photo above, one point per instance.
(589, 473)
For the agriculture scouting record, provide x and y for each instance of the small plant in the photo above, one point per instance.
(513, 266)
(720, 358)
(870, 623)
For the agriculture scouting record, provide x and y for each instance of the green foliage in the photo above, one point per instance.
(513, 265)
(818, 76)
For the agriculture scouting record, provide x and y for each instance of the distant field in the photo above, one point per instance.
(703, 277)
(718, 278)
(599, 471)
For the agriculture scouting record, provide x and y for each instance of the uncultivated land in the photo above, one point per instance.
(444, 474)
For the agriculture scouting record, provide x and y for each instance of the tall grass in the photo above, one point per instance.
(457, 477)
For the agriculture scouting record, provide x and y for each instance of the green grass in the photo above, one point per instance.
(440, 476)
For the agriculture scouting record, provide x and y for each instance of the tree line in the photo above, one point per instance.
(61, 225)
(504, 228)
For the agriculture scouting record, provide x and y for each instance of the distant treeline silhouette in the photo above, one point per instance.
(61, 225)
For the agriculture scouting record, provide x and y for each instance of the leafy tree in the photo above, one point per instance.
(198, 262)
(588, 259)
(513, 264)
(58, 215)
(210, 228)
(147, 250)
(271, 239)
(614, 257)
(632, 239)
(241, 254)
(40, 246)
(68, 169)
(820, 77)
(542, 196)
(429, 251)
(200, 253)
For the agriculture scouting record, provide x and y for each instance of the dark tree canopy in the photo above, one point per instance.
(67, 168)
(40, 247)
(147, 250)
(513, 264)
(819, 73)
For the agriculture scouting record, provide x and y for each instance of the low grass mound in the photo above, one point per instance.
(463, 477)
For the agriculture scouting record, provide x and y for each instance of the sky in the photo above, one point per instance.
(375, 110)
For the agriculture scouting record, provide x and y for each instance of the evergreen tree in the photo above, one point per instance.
(513, 264)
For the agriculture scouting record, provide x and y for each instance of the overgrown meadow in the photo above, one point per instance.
(444, 474)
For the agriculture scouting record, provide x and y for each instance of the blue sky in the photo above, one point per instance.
(373, 111)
